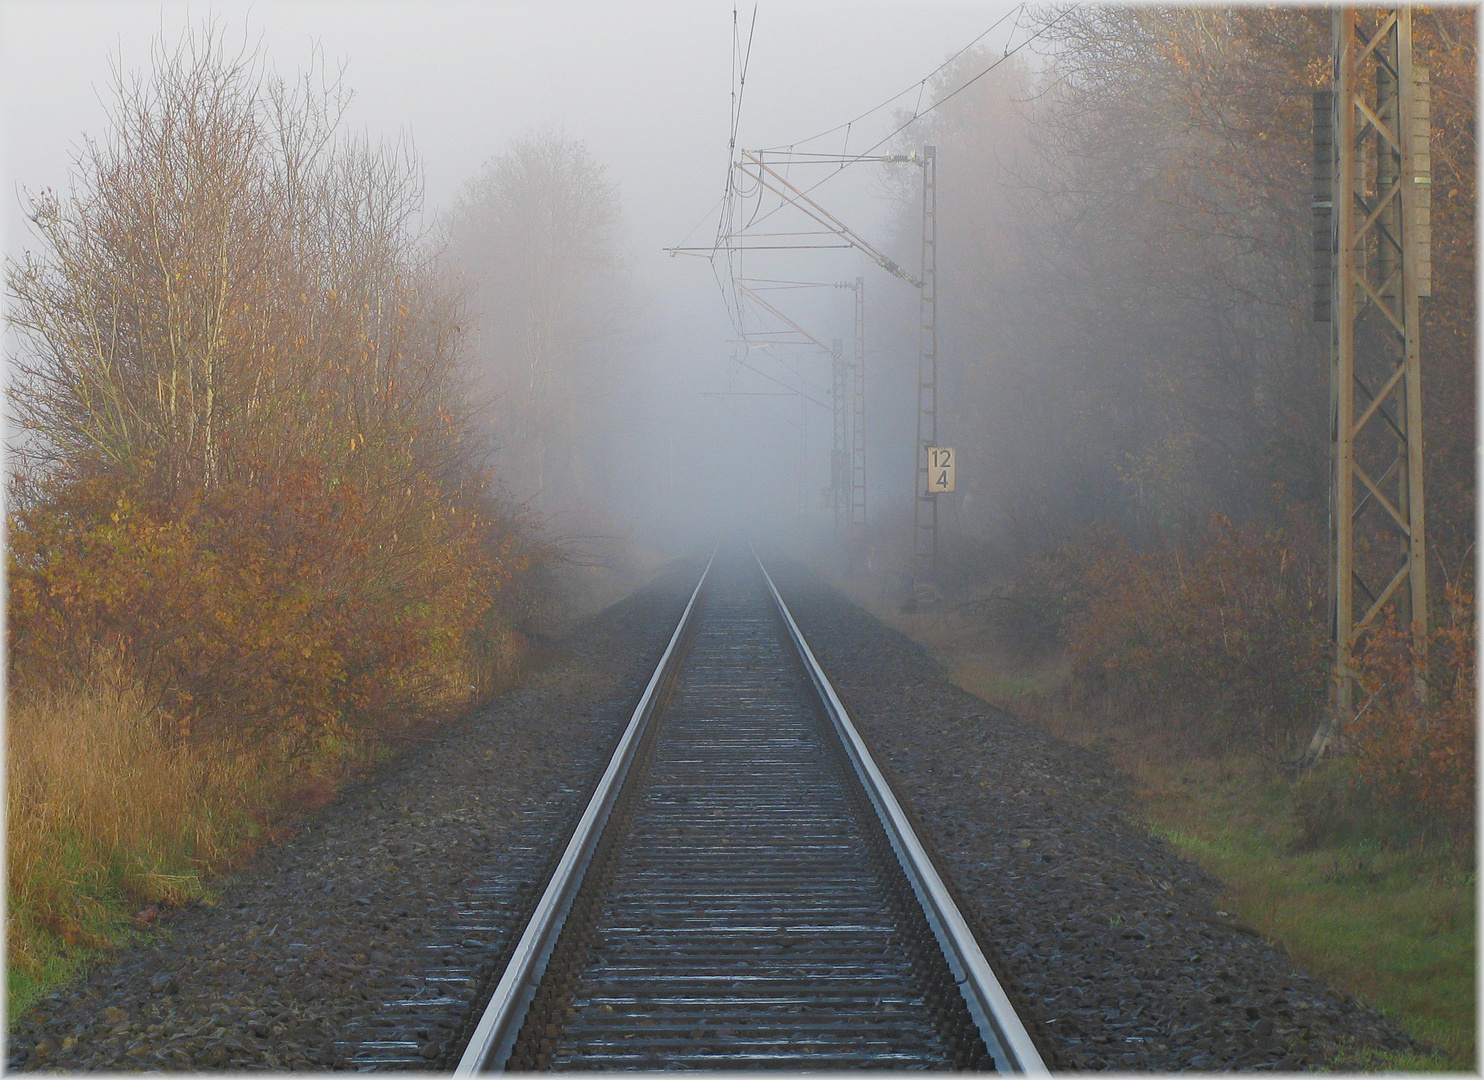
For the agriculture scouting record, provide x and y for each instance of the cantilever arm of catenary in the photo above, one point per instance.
(770, 179)
(760, 302)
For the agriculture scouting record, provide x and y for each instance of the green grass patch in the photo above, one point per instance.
(24, 988)
(1391, 923)
(1000, 685)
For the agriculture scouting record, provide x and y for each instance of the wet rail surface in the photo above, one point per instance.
(743, 907)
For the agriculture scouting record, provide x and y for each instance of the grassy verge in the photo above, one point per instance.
(1383, 917)
(105, 819)
(1391, 925)
(111, 824)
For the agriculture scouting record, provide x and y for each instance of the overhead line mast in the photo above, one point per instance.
(925, 501)
(1372, 233)
(858, 413)
(847, 395)
(756, 166)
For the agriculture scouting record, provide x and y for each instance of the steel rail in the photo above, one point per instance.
(490, 1044)
(1003, 1033)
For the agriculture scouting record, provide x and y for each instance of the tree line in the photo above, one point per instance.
(1128, 355)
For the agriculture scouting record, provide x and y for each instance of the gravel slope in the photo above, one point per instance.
(1111, 941)
(364, 941)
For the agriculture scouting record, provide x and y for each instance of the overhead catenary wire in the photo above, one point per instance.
(731, 286)
(740, 78)
(778, 284)
(741, 58)
(725, 236)
(704, 218)
(1017, 12)
(916, 116)
(731, 238)
(773, 378)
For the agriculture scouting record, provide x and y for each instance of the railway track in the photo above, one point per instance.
(743, 890)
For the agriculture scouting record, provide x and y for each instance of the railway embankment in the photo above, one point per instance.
(1111, 937)
(368, 937)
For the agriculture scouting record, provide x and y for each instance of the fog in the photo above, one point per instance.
(697, 439)
(1125, 330)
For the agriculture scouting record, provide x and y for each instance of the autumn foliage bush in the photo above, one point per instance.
(1214, 642)
(265, 610)
(1417, 750)
(1218, 644)
(247, 481)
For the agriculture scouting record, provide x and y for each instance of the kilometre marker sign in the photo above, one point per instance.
(942, 462)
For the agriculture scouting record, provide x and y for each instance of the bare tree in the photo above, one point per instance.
(229, 286)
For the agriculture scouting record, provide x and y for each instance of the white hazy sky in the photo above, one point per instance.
(645, 85)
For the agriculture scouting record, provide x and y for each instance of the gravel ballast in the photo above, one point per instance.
(1111, 943)
(366, 940)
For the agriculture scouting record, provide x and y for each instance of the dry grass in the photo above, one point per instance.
(106, 814)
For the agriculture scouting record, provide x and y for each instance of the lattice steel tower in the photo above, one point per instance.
(1372, 264)
(840, 443)
(858, 413)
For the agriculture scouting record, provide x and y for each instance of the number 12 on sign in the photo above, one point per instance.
(941, 467)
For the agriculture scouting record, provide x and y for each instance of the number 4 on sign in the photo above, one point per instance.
(941, 463)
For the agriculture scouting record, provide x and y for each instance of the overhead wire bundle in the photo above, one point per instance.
(738, 202)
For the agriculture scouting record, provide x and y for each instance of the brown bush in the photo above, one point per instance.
(1417, 750)
(1217, 641)
(265, 610)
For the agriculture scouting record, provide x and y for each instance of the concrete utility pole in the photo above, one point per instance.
(1372, 232)
(924, 502)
